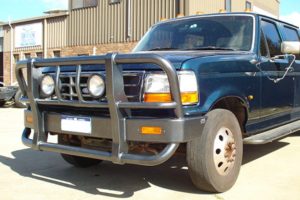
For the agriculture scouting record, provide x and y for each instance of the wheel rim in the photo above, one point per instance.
(224, 151)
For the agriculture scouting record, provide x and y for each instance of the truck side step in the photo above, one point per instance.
(273, 134)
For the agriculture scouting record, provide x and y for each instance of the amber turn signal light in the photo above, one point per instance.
(29, 119)
(157, 97)
(187, 98)
(151, 130)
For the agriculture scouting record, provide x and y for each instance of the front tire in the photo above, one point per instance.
(214, 159)
(77, 161)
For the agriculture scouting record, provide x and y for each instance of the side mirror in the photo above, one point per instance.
(290, 47)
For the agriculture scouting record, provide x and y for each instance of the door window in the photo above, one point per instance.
(292, 35)
(272, 36)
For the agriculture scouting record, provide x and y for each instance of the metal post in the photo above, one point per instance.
(129, 34)
(11, 52)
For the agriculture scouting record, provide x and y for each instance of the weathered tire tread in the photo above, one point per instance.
(198, 157)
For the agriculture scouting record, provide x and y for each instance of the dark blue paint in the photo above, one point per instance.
(222, 74)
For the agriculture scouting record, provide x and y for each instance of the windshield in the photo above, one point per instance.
(206, 33)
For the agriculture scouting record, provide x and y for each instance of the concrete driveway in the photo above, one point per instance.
(270, 171)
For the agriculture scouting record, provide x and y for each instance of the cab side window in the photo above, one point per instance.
(272, 36)
(291, 35)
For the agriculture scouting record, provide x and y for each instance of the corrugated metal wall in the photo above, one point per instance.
(125, 21)
(204, 6)
(56, 32)
(114, 23)
(265, 5)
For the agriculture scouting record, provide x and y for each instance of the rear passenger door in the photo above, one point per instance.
(277, 98)
(292, 34)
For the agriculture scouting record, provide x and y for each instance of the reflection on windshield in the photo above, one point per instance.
(206, 33)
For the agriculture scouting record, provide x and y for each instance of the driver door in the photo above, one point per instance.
(277, 96)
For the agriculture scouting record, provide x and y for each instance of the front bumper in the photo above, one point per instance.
(121, 127)
(175, 131)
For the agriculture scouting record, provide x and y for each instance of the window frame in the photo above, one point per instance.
(26, 56)
(292, 28)
(39, 53)
(54, 53)
(277, 29)
(83, 5)
(286, 26)
(228, 4)
(248, 3)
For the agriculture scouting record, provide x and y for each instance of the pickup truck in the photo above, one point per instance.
(204, 84)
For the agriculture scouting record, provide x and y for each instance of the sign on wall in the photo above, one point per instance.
(29, 35)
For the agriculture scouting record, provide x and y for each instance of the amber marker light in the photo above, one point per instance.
(151, 130)
(29, 119)
(189, 98)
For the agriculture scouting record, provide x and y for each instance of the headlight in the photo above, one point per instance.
(96, 86)
(157, 88)
(47, 86)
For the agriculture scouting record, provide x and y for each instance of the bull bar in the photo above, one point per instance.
(117, 104)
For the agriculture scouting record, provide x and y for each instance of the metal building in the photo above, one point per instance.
(91, 27)
(1, 51)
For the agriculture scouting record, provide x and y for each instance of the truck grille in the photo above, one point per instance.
(67, 87)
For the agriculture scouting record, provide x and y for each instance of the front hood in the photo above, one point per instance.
(176, 58)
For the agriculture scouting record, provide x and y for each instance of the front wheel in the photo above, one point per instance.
(214, 159)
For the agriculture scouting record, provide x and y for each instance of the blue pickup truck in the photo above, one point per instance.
(203, 84)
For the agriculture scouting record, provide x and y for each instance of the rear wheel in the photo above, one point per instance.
(77, 161)
(214, 159)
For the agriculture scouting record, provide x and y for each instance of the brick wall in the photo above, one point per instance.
(69, 51)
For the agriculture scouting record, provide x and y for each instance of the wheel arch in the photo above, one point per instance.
(237, 105)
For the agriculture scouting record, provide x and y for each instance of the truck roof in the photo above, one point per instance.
(226, 14)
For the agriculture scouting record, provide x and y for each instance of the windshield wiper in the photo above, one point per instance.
(162, 49)
(212, 48)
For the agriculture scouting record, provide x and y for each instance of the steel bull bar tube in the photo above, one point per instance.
(118, 105)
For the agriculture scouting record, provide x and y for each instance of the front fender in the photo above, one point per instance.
(221, 93)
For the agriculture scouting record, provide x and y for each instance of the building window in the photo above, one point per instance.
(76, 4)
(248, 5)
(27, 56)
(228, 5)
(39, 54)
(114, 1)
(16, 58)
(56, 54)
(1, 44)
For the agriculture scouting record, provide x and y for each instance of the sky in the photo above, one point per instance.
(22, 9)
(290, 11)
